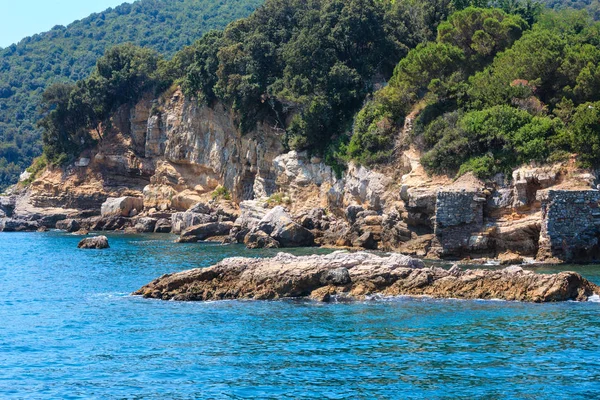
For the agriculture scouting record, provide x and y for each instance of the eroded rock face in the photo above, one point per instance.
(205, 231)
(357, 275)
(7, 206)
(18, 225)
(96, 242)
(174, 160)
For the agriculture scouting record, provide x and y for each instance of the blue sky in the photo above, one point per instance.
(21, 18)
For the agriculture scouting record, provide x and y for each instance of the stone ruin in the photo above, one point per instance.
(570, 225)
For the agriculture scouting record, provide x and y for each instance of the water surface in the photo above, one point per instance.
(69, 329)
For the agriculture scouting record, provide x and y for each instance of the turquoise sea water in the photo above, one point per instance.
(69, 329)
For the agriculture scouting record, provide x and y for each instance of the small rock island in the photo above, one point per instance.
(357, 276)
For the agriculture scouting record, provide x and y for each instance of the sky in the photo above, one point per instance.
(22, 18)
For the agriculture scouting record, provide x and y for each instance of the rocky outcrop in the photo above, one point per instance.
(146, 225)
(7, 206)
(163, 225)
(96, 242)
(358, 275)
(200, 214)
(458, 219)
(18, 225)
(158, 171)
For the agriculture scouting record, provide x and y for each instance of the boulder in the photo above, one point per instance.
(96, 242)
(366, 241)
(68, 225)
(205, 231)
(122, 206)
(184, 200)
(145, 225)
(359, 275)
(315, 218)
(508, 258)
(163, 225)
(352, 213)
(278, 224)
(200, 208)
(260, 240)
(251, 212)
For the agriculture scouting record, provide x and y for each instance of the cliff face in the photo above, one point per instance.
(175, 153)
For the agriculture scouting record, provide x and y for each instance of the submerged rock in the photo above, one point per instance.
(357, 275)
(96, 242)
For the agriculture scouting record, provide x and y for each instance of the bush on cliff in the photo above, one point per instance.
(121, 76)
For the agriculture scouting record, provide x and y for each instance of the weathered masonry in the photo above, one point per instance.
(458, 216)
(570, 225)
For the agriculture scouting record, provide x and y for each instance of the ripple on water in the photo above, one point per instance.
(70, 330)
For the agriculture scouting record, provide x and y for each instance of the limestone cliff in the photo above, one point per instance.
(174, 153)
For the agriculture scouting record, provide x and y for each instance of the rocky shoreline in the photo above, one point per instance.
(189, 171)
(356, 276)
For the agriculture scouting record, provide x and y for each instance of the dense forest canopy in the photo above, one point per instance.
(496, 86)
(69, 54)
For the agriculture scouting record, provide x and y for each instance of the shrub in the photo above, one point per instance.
(221, 193)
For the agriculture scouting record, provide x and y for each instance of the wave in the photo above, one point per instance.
(594, 298)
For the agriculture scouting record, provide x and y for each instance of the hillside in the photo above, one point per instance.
(441, 132)
(70, 53)
(307, 68)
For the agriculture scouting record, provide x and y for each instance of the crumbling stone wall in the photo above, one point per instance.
(570, 225)
(458, 216)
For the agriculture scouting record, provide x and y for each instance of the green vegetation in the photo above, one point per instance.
(496, 87)
(68, 54)
(221, 193)
(497, 94)
(277, 199)
(121, 76)
(314, 62)
(38, 165)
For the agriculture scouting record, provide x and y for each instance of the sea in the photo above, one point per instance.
(69, 329)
